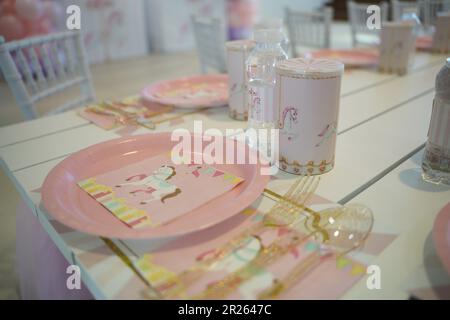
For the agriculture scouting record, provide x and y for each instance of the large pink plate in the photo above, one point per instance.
(441, 236)
(191, 92)
(66, 202)
(350, 57)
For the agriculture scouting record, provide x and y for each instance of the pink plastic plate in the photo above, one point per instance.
(192, 92)
(350, 58)
(441, 236)
(66, 202)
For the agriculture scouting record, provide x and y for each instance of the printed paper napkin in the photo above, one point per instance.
(155, 191)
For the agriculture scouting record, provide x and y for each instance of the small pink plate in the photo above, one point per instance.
(192, 92)
(441, 235)
(69, 204)
(350, 57)
(424, 42)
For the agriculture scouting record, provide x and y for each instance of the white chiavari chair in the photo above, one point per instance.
(40, 67)
(210, 42)
(361, 34)
(401, 7)
(308, 29)
(430, 9)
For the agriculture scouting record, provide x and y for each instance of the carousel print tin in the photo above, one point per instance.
(307, 101)
(237, 52)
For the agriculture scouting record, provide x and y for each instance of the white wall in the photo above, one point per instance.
(169, 26)
(113, 30)
(274, 8)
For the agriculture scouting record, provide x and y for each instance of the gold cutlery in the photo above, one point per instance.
(348, 227)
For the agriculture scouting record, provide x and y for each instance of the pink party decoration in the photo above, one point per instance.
(7, 7)
(241, 16)
(29, 9)
(45, 26)
(11, 27)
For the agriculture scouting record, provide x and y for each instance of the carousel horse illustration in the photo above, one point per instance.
(327, 133)
(289, 117)
(154, 184)
(239, 258)
(255, 103)
(237, 88)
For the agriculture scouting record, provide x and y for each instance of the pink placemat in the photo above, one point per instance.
(126, 113)
(174, 265)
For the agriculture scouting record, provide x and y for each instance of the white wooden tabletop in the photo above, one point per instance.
(383, 124)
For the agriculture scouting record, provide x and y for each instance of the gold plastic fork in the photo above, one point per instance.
(292, 205)
(283, 213)
(348, 227)
(129, 117)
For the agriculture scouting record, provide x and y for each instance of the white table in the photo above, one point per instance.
(382, 128)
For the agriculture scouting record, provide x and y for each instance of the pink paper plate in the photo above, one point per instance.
(192, 92)
(424, 42)
(66, 202)
(350, 57)
(441, 236)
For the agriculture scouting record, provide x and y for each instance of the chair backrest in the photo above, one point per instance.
(357, 13)
(311, 29)
(40, 67)
(401, 7)
(210, 42)
(430, 9)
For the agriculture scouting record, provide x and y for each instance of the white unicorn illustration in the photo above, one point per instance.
(327, 133)
(255, 103)
(237, 88)
(289, 117)
(155, 184)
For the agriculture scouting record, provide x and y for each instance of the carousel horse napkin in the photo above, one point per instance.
(155, 191)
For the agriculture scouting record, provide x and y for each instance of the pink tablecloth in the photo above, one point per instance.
(40, 265)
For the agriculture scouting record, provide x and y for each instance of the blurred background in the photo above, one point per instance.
(120, 36)
(115, 29)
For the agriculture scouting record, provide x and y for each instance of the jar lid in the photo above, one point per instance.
(310, 68)
(240, 45)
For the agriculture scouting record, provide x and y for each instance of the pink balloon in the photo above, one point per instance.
(28, 28)
(53, 11)
(11, 27)
(45, 26)
(29, 9)
(7, 7)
